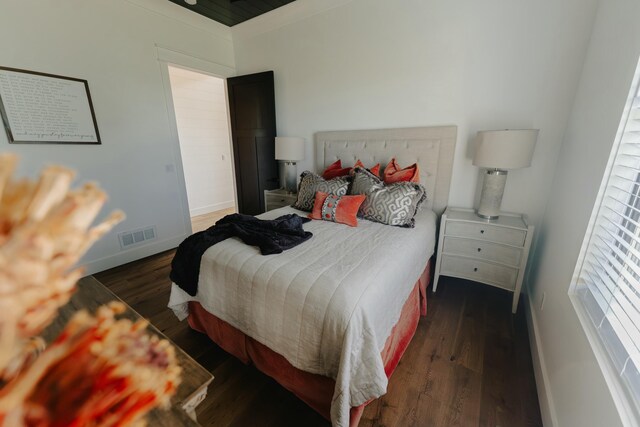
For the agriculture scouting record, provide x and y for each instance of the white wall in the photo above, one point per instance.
(200, 103)
(112, 44)
(478, 65)
(575, 384)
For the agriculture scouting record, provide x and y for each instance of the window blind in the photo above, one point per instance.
(608, 282)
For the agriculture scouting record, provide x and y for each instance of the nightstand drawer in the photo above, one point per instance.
(502, 276)
(508, 236)
(275, 199)
(277, 203)
(483, 250)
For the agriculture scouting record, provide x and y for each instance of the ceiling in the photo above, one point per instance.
(232, 12)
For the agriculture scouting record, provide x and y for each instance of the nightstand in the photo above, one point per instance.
(493, 252)
(274, 199)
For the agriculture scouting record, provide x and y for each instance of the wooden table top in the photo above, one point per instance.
(90, 295)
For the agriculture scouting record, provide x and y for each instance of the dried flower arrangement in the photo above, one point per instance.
(100, 371)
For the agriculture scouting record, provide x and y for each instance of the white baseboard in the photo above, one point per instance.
(211, 208)
(547, 407)
(133, 254)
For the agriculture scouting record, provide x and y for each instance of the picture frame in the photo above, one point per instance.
(42, 108)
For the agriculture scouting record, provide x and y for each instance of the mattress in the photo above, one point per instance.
(328, 305)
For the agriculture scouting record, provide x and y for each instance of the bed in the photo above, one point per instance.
(330, 319)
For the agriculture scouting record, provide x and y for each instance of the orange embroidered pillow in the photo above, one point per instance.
(342, 209)
(393, 173)
(335, 170)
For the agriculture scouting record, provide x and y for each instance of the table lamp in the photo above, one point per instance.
(290, 149)
(498, 150)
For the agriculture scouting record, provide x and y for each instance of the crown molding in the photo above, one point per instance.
(185, 16)
(284, 15)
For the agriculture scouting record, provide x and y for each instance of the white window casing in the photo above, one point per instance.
(606, 286)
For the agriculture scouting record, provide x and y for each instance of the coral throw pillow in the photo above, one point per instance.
(342, 209)
(334, 170)
(393, 173)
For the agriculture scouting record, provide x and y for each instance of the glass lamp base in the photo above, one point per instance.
(492, 191)
(290, 177)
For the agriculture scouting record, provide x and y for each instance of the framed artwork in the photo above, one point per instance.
(39, 108)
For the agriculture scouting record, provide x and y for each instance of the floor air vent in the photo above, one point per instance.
(136, 237)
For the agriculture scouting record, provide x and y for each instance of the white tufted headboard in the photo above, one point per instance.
(431, 147)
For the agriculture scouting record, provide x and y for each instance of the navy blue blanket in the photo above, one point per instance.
(271, 236)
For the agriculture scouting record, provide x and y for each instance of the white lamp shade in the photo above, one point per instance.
(289, 148)
(505, 149)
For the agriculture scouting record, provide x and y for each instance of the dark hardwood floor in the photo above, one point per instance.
(469, 363)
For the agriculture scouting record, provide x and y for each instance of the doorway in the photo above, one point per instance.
(202, 121)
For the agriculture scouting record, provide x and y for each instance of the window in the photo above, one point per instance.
(607, 288)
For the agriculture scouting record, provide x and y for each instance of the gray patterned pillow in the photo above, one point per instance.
(364, 181)
(394, 204)
(310, 183)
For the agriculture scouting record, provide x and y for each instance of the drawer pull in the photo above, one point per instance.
(282, 200)
(475, 268)
(479, 249)
(481, 231)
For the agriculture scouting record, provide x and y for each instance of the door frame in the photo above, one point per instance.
(168, 57)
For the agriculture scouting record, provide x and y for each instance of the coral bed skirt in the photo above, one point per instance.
(315, 390)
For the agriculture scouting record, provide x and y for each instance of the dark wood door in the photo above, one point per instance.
(252, 110)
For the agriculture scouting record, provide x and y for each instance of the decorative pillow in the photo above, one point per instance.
(310, 183)
(393, 173)
(393, 204)
(364, 181)
(374, 170)
(341, 209)
(335, 170)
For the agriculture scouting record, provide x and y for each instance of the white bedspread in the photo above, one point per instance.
(327, 305)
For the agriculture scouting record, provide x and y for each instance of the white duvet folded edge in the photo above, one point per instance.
(178, 300)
